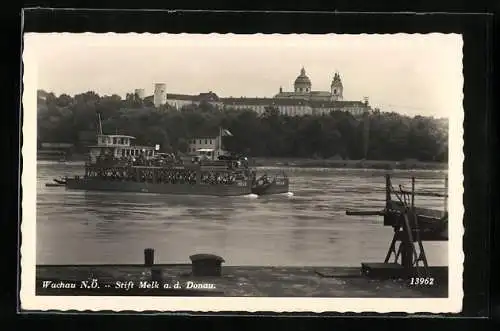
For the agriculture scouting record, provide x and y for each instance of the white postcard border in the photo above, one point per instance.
(30, 301)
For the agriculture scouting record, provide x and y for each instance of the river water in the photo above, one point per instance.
(305, 227)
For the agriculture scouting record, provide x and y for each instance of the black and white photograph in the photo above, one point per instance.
(232, 172)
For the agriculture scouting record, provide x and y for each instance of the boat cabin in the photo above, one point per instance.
(207, 154)
(118, 147)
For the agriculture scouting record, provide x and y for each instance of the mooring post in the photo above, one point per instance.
(388, 219)
(149, 257)
(406, 253)
(149, 261)
(387, 190)
(206, 265)
(412, 192)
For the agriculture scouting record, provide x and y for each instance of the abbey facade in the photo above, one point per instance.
(302, 101)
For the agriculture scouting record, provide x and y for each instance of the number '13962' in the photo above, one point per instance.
(419, 281)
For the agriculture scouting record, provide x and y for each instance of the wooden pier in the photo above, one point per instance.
(412, 226)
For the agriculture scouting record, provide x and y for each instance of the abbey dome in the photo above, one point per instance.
(303, 89)
(302, 83)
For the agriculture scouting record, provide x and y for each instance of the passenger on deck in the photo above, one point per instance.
(244, 162)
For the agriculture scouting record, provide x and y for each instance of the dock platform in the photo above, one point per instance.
(236, 281)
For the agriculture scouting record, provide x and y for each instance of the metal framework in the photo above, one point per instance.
(411, 225)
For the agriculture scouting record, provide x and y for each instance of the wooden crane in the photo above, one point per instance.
(412, 226)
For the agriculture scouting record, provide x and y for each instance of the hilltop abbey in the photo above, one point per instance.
(303, 100)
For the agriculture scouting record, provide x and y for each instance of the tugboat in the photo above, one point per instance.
(265, 185)
(116, 165)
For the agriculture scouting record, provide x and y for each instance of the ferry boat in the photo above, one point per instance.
(115, 164)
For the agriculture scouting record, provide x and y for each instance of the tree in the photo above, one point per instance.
(391, 136)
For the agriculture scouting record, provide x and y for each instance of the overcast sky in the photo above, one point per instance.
(411, 74)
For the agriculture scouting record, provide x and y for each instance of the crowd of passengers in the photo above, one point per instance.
(163, 160)
(120, 169)
(177, 176)
(141, 160)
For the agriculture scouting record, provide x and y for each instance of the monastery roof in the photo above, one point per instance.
(321, 93)
(247, 101)
(186, 97)
(296, 95)
(208, 96)
(263, 101)
(321, 104)
(288, 102)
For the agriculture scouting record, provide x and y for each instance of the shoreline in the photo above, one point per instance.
(351, 164)
(320, 163)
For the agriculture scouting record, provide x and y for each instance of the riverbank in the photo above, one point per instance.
(326, 163)
(351, 164)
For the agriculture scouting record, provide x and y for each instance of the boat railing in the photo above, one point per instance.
(167, 167)
(241, 183)
(281, 175)
(107, 164)
(215, 169)
(280, 179)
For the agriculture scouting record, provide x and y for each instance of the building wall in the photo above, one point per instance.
(106, 140)
(356, 110)
(205, 142)
(289, 109)
(338, 95)
(160, 95)
(323, 111)
(295, 110)
(288, 103)
(56, 145)
(130, 151)
(178, 104)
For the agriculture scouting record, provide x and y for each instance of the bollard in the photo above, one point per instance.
(149, 257)
(206, 265)
(412, 192)
(156, 274)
